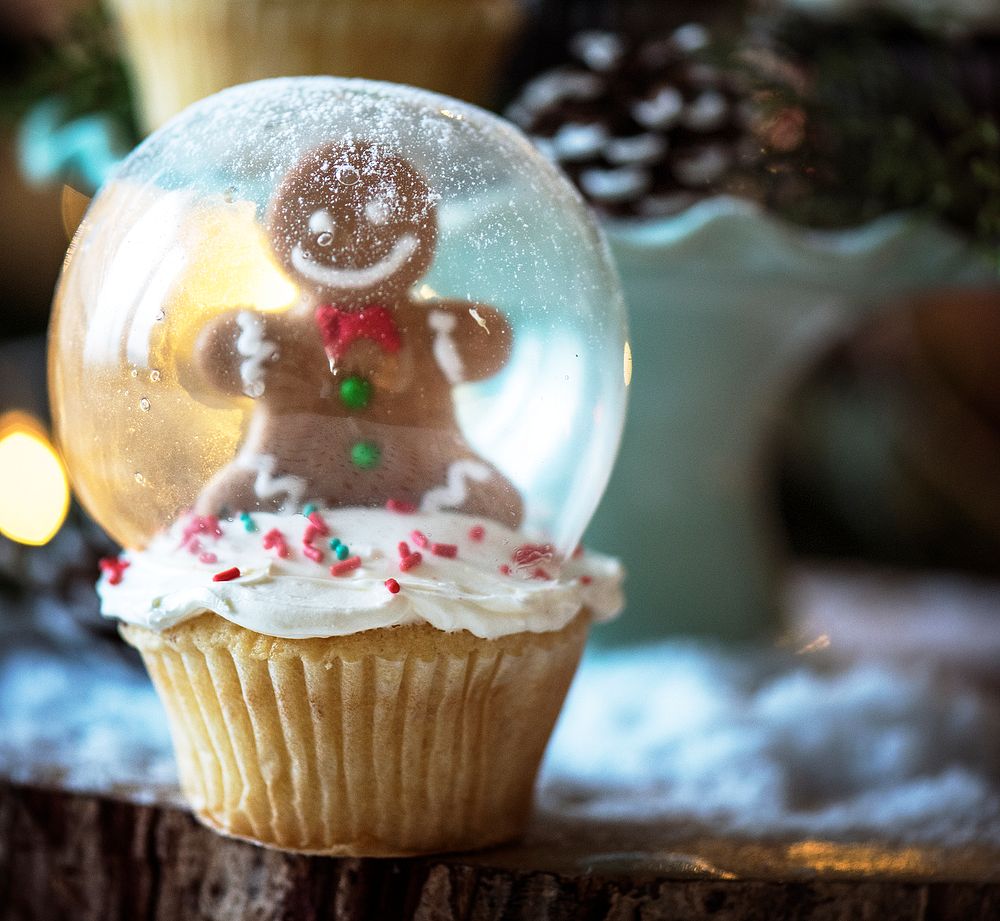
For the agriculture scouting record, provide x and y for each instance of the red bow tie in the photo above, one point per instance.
(339, 328)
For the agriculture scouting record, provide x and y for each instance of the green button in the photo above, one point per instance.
(366, 455)
(355, 392)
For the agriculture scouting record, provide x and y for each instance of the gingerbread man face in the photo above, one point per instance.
(354, 223)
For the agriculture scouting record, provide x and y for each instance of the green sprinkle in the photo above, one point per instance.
(334, 543)
(366, 455)
(355, 392)
(343, 552)
(248, 522)
(309, 509)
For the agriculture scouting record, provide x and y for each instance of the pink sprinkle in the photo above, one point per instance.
(419, 538)
(314, 553)
(208, 558)
(403, 508)
(227, 575)
(477, 533)
(404, 549)
(393, 586)
(315, 521)
(201, 524)
(504, 570)
(193, 545)
(408, 562)
(530, 554)
(540, 573)
(345, 566)
(448, 550)
(310, 534)
(586, 580)
(275, 540)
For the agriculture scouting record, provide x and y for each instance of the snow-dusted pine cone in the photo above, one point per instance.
(643, 128)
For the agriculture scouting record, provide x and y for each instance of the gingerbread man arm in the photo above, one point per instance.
(469, 341)
(233, 350)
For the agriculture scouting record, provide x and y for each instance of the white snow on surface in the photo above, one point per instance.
(754, 743)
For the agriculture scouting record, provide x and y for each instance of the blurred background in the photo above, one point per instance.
(844, 399)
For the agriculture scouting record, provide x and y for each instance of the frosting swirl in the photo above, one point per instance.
(277, 574)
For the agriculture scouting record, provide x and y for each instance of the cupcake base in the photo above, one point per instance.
(397, 741)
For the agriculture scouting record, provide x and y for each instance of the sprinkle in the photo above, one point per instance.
(309, 510)
(419, 538)
(248, 523)
(408, 562)
(334, 543)
(346, 566)
(586, 580)
(529, 554)
(113, 568)
(275, 540)
(227, 575)
(404, 549)
(343, 551)
(540, 573)
(393, 586)
(310, 534)
(448, 550)
(504, 569)
(314, 553)
(318, 523)
(477, 533)
(200, 524)
(401, 507)
(208, 558)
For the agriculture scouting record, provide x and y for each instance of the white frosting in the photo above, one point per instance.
(255, 350)
(445, 351)
(453, 493)
(166, 583)
(334, 277)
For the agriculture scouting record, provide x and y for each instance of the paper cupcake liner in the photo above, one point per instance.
(183, 50)
(395, 741)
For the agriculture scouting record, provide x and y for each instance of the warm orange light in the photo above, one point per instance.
(628, 364)
(34, 490)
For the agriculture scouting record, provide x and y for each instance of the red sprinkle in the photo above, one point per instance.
(448, 550)
(408, 562)
(227, 575)
(314, 553)
(477, 533)
(586, 580)
(540, 573)
(419, 538)
(208, 558)
(530, 554)
(310, 534)
(318, 525)
(345, 566)
(393, 586)
(504, 570)
(403, 508)
(113, 567)
(275, 540)
(404, 549)
(201, 524)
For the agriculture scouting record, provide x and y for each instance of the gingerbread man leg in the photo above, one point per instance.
(251, 483)
(476, 488)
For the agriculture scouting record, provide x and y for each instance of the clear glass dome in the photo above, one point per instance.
(344, 293)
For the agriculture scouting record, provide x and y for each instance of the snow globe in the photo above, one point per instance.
(343, 366)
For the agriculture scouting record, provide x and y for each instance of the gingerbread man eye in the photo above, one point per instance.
(378, 212)
(321, 224)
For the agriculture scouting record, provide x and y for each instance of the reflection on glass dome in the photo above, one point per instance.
(338, 294)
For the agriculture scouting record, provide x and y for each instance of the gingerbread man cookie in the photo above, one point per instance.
(352, 387)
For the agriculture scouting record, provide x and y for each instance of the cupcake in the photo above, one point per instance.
(355, 374)
(759, 210)
(182, 50)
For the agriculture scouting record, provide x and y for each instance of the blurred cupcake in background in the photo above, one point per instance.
(182, 50)
(764, 195)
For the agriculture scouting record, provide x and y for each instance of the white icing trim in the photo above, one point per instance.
(255, 349)
(454, 493)
(444, 348)
(267, 485)
(370, 275)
